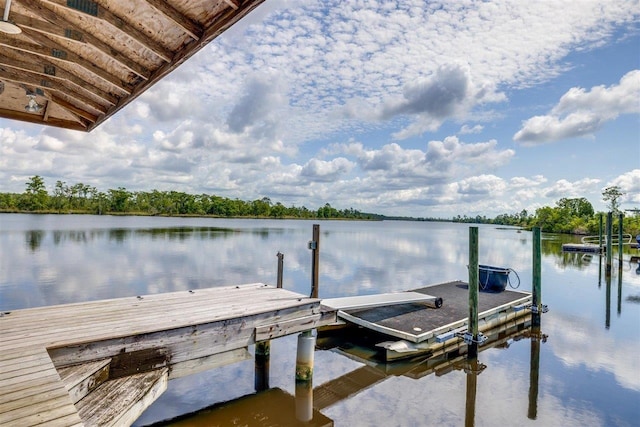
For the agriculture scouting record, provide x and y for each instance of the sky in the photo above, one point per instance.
(406, 108)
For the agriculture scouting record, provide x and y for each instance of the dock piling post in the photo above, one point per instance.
(609, 236)
(537, 276)
(473, 286)
(304, 376)
(280, 269)
(262, 363)
(600, 231)
(620, 252)
(314, 245)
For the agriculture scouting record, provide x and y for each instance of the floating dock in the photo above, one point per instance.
(104, 362)
(588, 248)
(421, 327)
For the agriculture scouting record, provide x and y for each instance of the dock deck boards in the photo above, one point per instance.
(416, 322)
(189, 326)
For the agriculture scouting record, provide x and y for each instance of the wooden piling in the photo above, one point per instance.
(314, 245)
(262, 364)
(304, 356)
(609, 237)
(620, 246)
(280, 269)
(473, 284)
(537, 277)
(600, 230)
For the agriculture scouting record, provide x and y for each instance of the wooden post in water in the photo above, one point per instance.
(304, 376)
(620, 252)
(314, 245)
(262, 363)
(537, 277)
(600, 231)
(609, 236)
(473, 287)
(280, 268)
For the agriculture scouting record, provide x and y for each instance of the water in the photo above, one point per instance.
(589, 368)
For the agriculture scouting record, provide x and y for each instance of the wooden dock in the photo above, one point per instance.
(104, 362)
(421, 328)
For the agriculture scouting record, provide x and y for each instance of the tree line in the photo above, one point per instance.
(82, 198)
(569, 215)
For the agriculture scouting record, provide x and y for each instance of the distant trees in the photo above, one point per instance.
(569, 215)
(82, 198)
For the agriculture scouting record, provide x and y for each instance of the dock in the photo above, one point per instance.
(104, 362)
(422, 327)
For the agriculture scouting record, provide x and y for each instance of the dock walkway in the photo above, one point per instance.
(155, 337)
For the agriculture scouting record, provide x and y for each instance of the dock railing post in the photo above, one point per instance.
(620, 246)
(537, 277)
(473, 286)
(609, 236)
(280, 268)
(314, 245)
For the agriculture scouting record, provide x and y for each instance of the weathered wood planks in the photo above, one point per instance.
(176, 333)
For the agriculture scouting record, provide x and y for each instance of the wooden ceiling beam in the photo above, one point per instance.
(234, 4)
(38, 65)
(23, 116)
(227, 20)
(107, 16)
(78, 112)
(31, 79)
(61, 27)
(193, 29)
(61, 52)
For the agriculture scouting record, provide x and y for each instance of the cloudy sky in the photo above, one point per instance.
(412, 108)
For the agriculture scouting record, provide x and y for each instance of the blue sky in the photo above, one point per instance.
(412, 108)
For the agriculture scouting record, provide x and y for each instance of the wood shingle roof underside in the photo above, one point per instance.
(84, 60)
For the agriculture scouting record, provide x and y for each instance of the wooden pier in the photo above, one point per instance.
(104, 362)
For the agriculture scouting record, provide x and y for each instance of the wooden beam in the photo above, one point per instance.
(64, 53)
(31, 79)
(235, 4)
(35, 64)
(23, 116)
(194, 29)
(225, 21)
(107, 16)
(64, 28)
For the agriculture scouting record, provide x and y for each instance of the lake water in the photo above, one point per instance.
(589, 364)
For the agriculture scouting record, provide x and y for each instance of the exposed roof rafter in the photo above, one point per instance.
(88, 59)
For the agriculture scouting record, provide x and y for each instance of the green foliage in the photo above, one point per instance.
(82, 198)
(569, 215)
(611, 196)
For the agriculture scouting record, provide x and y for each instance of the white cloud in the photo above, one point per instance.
(629, 184)
(581, 113)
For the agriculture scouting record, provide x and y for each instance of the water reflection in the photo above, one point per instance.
(586, 374)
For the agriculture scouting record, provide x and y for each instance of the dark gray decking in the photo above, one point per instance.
(417, 322)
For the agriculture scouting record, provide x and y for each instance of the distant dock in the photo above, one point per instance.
(104, 362)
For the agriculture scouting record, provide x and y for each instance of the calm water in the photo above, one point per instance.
(589, 366)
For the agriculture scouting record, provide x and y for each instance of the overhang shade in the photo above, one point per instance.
(75, 63)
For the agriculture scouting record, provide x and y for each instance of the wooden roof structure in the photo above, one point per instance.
(78, 62)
